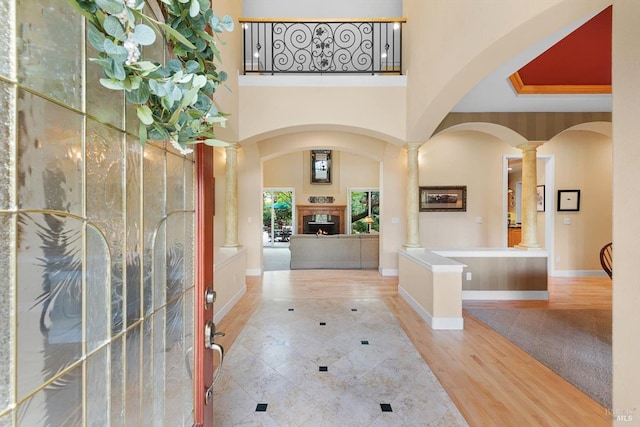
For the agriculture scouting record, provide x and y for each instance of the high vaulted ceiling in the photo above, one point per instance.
(568, 71)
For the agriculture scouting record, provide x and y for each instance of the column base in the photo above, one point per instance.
(412, 246)
(231, 245)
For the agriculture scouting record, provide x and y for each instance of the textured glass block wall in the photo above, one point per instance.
(96, 240)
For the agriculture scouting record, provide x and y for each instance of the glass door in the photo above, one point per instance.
(277, 216)
(364, 211)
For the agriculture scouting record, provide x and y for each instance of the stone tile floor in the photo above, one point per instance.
(328, 363)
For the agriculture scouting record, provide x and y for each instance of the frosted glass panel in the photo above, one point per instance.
(50, 61)
(98, 388)
(7, 142)
(175, 279)
(49, 156)
(175, 183)
(49, 294)
(106, 105)
(159, 363)
(59, 404)
(117, 383)
(174, 365)
(133, 403)
(154, 213)
(189, 192)
(7, 40)
(188, 364)
(7, 274)
(7, 420)
(133, 230)
(98, 290)
(147, 369)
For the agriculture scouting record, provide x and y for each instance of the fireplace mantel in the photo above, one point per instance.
(304, 210)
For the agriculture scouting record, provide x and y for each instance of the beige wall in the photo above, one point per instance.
(583, 162)
(348, 171)
(476, 160)
(626, 209)
(500, 30)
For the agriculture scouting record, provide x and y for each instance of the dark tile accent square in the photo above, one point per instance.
(323, 323)
(354, 309)
(291, 309)
(323, 368)
(386, 407)
(365, 342)
(261, 407)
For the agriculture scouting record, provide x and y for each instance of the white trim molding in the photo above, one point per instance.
(439, 323)
(505, 295)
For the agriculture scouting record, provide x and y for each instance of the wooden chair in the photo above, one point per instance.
(606, 259)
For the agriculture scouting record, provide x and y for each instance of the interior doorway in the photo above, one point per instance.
(278, 216)
(512, 174)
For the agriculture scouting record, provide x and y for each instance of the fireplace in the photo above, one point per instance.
(327, 224)
(329, 219)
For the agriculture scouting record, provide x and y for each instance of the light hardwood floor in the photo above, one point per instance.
(491, 381)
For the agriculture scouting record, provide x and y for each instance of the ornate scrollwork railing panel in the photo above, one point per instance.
(322, 47)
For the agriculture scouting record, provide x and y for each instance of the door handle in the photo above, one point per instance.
(209, 392)
(210, 334)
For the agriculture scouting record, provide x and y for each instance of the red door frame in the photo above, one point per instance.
(203, 364)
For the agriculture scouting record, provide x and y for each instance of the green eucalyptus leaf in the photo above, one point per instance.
(175, 117)
(112, 84)
(112, 7)
(194, 8)
(222, 76)
(96, 38)
(215, 143)
(174, 65)
(144, 35)
(167, 102)
(216, 24)
(139, 95)
(142, 133)
(189, 97)
(227, 23)
(199, 81)
(114, 28)
(118, 53)
(118, 71)
(144, 114)
(103, 62)
(192, 66)
(176, 35)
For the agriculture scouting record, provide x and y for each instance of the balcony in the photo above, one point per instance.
(368, 46)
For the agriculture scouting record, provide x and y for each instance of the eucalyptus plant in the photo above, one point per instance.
(173, 100)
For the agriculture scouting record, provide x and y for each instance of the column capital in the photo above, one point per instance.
(413, 145)
(530, 145)
(232, 146)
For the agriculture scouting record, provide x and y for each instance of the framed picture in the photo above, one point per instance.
(443, 199)
(540, 198)
(321, 166)
(568, 200)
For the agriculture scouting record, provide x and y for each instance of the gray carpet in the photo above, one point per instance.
(575, 344)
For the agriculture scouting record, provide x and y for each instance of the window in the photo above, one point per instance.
(364, 211)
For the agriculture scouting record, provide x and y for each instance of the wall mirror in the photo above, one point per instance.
(321, 166)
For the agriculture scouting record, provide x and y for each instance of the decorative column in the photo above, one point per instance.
(231, 197)
(413, 232)
(529, 200)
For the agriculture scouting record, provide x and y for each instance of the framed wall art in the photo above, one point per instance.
(568, 200)
(443, 199)
(321, 166)
(540, 198)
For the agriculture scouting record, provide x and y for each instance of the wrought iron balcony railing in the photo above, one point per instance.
(367, 46)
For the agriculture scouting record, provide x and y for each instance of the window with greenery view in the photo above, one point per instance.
(363, 204)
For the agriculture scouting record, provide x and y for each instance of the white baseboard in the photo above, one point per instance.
(220, 313)
(578, 273)
(254, 272)
(389, 272)
(505, 295)
(445, 323)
